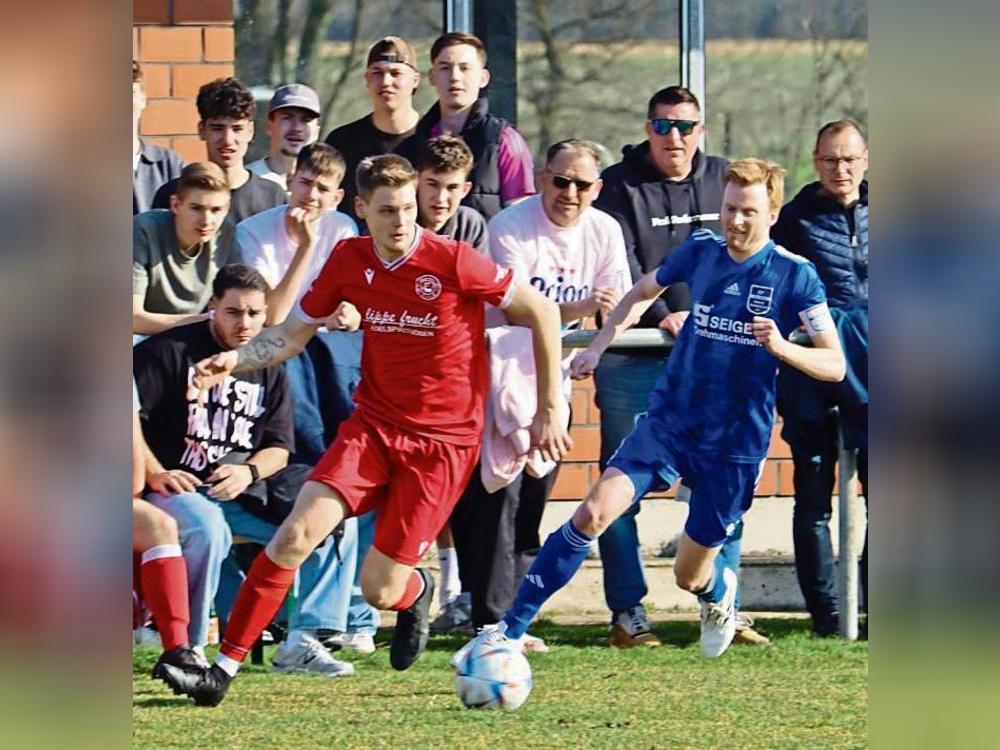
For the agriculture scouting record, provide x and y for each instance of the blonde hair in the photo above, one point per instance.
(388, 170)
(746, 172)
(202, 175)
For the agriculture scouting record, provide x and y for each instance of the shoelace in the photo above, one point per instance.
(717, 614)
(638, 621)
(317, 649)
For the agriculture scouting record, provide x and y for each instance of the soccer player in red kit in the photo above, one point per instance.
(413, 441)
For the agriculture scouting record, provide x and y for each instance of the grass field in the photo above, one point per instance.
(797, 693)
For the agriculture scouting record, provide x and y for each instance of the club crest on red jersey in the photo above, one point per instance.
(428, 287)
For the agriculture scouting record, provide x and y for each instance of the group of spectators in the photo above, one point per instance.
(222, 249)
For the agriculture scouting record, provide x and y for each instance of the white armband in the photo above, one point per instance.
(816, 319)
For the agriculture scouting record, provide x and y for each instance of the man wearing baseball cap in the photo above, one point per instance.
(391, 77)
(292, 123)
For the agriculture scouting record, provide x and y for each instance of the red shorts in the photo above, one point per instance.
(412, 481)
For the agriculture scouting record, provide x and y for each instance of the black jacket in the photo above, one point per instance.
(657, 214)
(833, 237)
(481, 134)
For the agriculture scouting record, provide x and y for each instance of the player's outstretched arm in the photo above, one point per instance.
(824, 361)
(625, 315)
(529, 308)
(270, 347)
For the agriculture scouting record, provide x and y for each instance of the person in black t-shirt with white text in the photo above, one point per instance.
(202, 457)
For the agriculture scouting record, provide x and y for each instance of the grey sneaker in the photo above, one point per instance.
(454, 617)
(301, 653)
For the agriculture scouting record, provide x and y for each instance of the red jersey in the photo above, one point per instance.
(423, 362)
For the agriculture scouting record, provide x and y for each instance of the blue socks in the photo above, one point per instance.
(558, 560)
(730, 553)
(716, 588)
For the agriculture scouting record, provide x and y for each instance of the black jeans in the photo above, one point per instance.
(496, 536)
(813, 480)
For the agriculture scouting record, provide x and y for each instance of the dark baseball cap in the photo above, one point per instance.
(295, 95)
(392, 49)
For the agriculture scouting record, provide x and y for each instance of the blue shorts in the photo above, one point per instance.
(721, 491)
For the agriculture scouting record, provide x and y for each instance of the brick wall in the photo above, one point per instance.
(579, 472)
(181, 45)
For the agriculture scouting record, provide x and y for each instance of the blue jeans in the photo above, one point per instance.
(622, 384)
(323, 379)
(206, 534)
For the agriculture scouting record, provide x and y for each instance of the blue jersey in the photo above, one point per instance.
(717, 396)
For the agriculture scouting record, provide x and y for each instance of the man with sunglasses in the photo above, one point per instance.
(575, 256)
(660, 192)
(827, 223)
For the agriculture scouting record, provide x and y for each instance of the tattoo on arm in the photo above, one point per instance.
(264, 351)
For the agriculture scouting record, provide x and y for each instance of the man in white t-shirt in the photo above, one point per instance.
(289, 244)
(574, 254)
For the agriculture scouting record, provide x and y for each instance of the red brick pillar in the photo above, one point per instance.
(181, 45)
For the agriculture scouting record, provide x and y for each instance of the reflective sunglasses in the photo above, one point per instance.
(662, 125)
(564, 182)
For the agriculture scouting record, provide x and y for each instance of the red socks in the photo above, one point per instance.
(165, 589)
(414, 588)
(259, 599)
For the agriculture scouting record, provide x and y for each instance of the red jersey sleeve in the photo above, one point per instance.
(324, 293)
(479, 277)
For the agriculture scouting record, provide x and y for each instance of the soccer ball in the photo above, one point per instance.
(494, 675)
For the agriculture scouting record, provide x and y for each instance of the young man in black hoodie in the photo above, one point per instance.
(660, 192)
(504, 168)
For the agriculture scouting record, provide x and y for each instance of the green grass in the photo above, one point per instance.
(797, 693)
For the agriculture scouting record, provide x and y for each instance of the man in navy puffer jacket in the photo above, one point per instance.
(827, 223)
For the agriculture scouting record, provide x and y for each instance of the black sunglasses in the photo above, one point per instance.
(662, 125)
(564, 182)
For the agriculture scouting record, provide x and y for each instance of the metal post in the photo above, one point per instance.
(458, 15)
(691, 36)
(495, 23)
(847, 569)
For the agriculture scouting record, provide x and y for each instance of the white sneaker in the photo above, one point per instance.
(363, 643)
(487, 634)
(302, 653)
(199, 652)
(718, 619)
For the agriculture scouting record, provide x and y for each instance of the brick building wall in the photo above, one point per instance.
(181, 44)
(185, 43)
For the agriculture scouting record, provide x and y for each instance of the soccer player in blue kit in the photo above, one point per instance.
(710, 415)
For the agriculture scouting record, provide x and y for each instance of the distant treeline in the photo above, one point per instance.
(641, 19)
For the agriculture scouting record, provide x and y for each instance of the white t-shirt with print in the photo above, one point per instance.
(264, 243)
(563, 263)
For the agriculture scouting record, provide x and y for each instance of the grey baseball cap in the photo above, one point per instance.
(295, 95)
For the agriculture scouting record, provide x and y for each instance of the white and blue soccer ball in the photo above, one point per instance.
(494, 675)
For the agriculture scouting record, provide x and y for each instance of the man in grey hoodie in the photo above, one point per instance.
(660, 192)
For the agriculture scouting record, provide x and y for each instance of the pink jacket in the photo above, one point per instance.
(510, 409)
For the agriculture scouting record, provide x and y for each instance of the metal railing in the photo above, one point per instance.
(847, 568)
